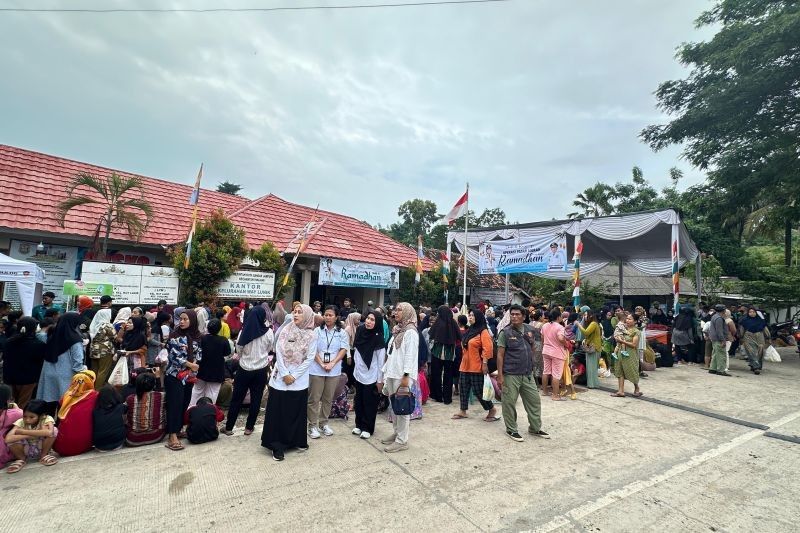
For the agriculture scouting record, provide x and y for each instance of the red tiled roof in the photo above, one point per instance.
(39, 182)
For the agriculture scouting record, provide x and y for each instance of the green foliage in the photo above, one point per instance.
(539, 288)
(778, 288)
(595, 201)
(710, 277)
(122, 201)
(429, 291)
(490, 218)
(218, 248)
(228, 187)
(270, 260)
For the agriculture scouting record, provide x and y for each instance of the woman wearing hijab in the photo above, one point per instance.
(368, 356)
(755, 335)
(133, 341)
(101, 347)
(63, 358)
(400, 370)
(592, 346)
(445, 335)
(478, 350)
(85, 305)
(75, 416)
(202, 319)
(279, 316)
(255, 342)
(683, 335)
(351, 325)
(23, 356)
(234, 318)
(286, 419)
(183, 353)
(122, 316)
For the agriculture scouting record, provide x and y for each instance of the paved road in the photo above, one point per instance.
(612, 465)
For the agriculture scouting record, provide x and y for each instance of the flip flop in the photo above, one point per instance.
(559, 399)
(16, 466)
(174, 447)
(457, 417)
(617, 395)
(48, 460)
(491, 419)
(638, 394)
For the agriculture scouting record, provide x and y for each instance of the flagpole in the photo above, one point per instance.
(466, 261)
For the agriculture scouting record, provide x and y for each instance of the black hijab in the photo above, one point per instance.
(161, 318)
(683, 321)
(476, 328)
(445, 330)
(369, 340)
(134, 339)
(65, 335)
(254, 326)
(425, 323)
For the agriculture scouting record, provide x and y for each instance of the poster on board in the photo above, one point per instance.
(58, 263)
(248, 285)
(342, 273)
(546, 253)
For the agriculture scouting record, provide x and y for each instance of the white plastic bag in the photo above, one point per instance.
(162, 356)
(119, 376)
(772, 355)
(488, 389)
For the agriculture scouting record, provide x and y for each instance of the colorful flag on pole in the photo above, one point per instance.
(305, 235)
(194, 200)
(676, 275)
(576, 276)
(446, 272)
(460, 209)
(420, 255)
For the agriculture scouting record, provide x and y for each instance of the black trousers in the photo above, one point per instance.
(178, 396)
(441, 380)
(246, 380)
(365, 404)
(471, 381)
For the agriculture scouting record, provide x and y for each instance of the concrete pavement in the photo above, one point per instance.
(613, 464)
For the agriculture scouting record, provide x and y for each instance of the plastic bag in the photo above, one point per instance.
(772, 355)
(162, 356)
(487, 395)
(119, 376)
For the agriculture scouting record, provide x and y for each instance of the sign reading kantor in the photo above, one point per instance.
(248, 285)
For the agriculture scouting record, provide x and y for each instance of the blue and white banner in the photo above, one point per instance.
(547, 253)
(342, 273)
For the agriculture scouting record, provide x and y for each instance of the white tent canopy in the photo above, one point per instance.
(28, 277)
(643, 241)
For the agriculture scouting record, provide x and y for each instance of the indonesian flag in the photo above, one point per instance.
(458, 210)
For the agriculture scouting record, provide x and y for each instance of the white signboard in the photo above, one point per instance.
(58, 263)
(134, 284)
(341, 273)
(248, 285)
(547, 253)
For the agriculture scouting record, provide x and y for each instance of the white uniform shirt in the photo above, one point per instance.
(373, 374)
(330, 341)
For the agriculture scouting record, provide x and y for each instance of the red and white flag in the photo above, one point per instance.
(458, 210)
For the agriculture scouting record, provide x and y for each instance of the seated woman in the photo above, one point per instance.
(9, 413)
(145, 413)
(75, 416)
(108, 420)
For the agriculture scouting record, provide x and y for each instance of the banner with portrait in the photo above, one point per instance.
(546, 253)
(342, 273)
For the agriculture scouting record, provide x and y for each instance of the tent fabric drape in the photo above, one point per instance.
(26, 275)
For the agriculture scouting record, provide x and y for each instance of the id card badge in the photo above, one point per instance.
(326, 357)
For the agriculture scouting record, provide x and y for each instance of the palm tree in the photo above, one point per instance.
(229, 188)
(118, 211)
(595, 201)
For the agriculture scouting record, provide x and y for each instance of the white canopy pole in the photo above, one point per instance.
(621, 290)
(466, 262)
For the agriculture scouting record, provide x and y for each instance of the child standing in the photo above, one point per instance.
(201, 421)
(32, 437)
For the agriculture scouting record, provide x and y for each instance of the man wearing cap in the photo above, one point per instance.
(718, 335)
(47, 303)
(556, 259)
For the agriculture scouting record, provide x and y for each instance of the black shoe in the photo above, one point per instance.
(541, 434)
(756, 371)
(723, 374)
(515, 436)
(277, 455)
(302, 448)
(713, 372)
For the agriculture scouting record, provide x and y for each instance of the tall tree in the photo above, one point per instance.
(121, 199)
(594, 201)
(229, 187)
(490, 217)
(738, 111)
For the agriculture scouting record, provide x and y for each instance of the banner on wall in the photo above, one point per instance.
(134, 284)
(248, 285)
(58, 263)
(342, 273)
(546, 253)
(81, 288)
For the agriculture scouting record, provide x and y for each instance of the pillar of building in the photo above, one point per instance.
(305, 287)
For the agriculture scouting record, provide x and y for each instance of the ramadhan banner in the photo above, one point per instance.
(341, 273)
(538, 254)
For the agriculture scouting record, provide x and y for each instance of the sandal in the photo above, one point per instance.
(248, 431)
(617, 395)
(491, 419)
(227, 432)
(48, 460)
(557, 399)
(638, 394)
(16, 466)
(457, 416)
(174, 447)
(573, 396)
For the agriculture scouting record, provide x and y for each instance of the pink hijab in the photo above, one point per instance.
(294, 340)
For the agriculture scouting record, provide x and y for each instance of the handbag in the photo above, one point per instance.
(403, 401)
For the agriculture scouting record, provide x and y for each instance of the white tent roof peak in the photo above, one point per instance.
(15, 269)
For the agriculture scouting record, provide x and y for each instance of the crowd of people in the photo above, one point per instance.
(101, 379)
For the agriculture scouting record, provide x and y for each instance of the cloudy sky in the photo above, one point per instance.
(358, 110)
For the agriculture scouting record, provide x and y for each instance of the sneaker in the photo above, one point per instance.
(327, 431)
(389, 440)
(395, 447)
(356, 431)
(724, 374)
(712, 371)
(365, 434)
(277, 455)
(514, 435)
(313, 432)
(541, 434)
(301, 449)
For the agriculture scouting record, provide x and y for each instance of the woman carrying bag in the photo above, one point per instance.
(399, 372)
(478, 349)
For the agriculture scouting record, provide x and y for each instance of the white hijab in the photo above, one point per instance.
(123, 315)
(101, 318)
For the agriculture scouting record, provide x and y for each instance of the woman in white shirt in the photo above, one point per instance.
(252, 351)
(285, 419)
(400, 369)
(369, 357)
(333, 344)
